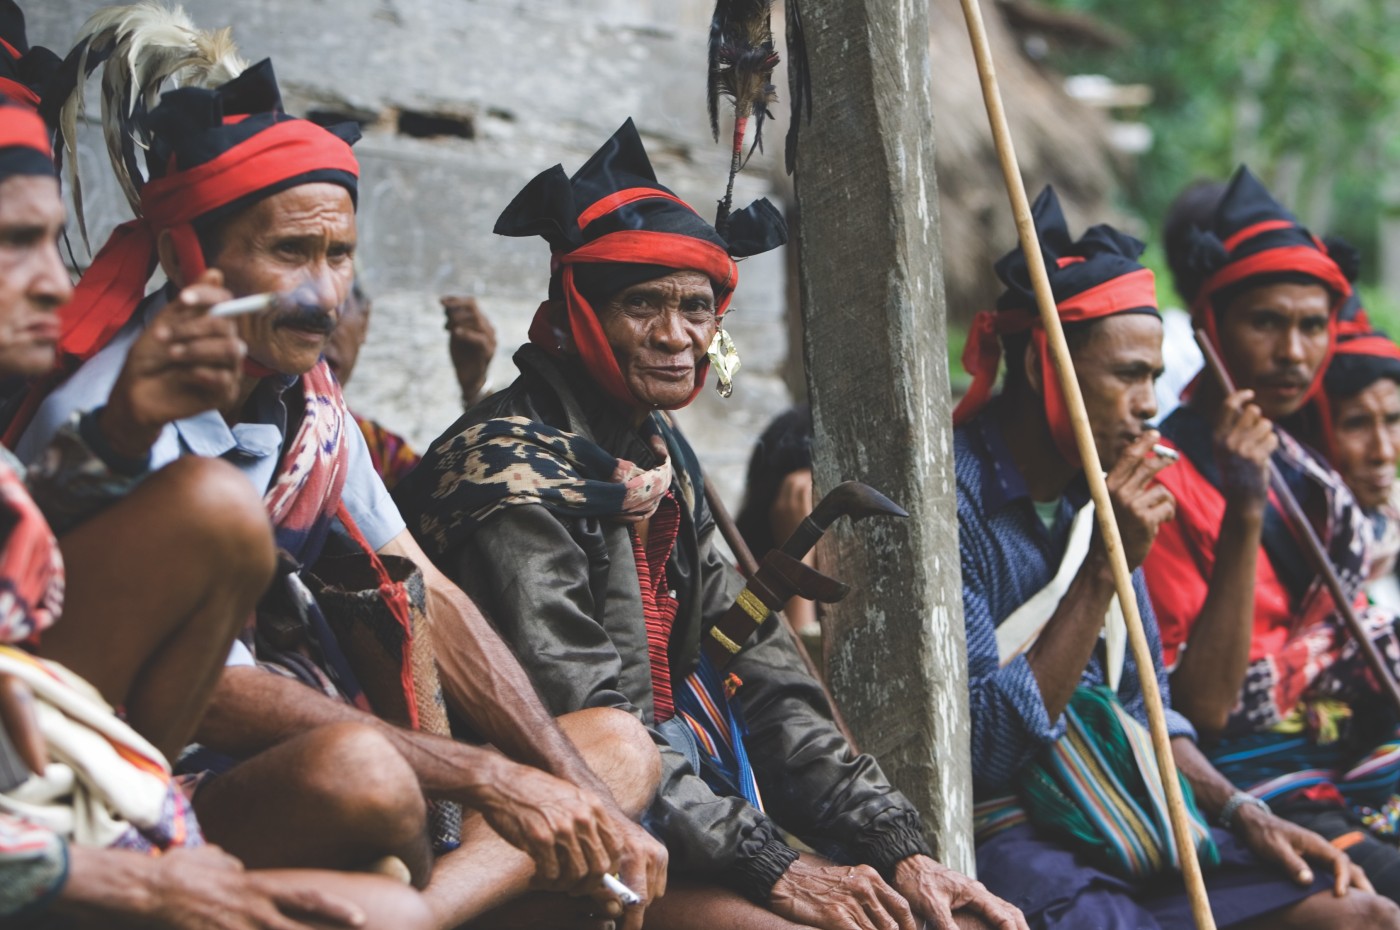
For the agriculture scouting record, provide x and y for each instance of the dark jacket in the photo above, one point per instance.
(564, 593)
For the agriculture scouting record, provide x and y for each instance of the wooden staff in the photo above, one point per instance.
(749, 565)
(1093, 470)
(1317, 554)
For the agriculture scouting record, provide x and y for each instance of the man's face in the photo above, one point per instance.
(1365, 437)
(33, 280)
(1273, 338)
(659, 330)
(1118, 361)
(343, 348)
(300, 241)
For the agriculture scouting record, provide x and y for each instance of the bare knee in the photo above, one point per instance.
(222, 511)
(620, 751)
(364, 781)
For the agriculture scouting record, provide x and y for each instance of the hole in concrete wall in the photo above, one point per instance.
(505, 116)
(436, 125)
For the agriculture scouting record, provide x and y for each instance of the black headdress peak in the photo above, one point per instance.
(1074, 266)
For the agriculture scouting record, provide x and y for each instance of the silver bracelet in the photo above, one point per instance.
(1232, 807)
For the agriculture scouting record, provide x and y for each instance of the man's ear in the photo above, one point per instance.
(1030, 359)
(165, 249)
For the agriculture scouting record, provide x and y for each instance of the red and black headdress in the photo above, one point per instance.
(211, 152)
(23, 70)
(24, 142)
(1092, 278)
(611, 226)
(1254, 241)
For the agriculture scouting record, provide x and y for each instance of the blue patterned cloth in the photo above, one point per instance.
(1007, 556)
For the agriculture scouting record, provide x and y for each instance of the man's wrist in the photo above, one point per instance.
(1239, 808)
(123, 434)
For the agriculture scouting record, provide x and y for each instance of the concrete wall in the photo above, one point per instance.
(532, 82)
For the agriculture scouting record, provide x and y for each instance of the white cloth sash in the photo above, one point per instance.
(1018, 632)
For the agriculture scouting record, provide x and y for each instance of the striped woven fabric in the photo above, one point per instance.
(705, 703)
(1100, 787)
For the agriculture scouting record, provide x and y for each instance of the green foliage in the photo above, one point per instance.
(1307, 90)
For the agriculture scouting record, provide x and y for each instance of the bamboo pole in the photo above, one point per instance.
(1093, 470)
(1312, 546)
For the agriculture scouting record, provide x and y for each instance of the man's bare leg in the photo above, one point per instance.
(476, 880)
(385, 902)
(158, 585)
(1325, 911)
(338, 797)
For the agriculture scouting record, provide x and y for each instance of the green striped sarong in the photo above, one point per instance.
(1099, 787)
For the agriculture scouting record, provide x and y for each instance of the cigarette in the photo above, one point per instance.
(1161, 451)
(241, 305)
(628, 897)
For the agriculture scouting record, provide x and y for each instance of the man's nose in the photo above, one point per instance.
(1384, 446)
(669, 332)
(51, 284)
(1291, 348)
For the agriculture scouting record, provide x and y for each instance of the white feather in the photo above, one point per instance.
(151, 45)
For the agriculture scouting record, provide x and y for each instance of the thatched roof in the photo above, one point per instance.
(1058, 141)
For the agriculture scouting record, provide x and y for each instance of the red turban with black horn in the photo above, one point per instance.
(1092, 278)
(612, 225)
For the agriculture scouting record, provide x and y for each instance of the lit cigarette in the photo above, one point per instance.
(241, 305)
(626, 895)
(1161, 451)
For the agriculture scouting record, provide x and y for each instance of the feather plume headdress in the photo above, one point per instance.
(741, 63)
(139, 48)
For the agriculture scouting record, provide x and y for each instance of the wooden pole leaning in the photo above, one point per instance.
(1317, 553)
(1093, 470)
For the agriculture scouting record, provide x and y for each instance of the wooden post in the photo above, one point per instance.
(876, 356)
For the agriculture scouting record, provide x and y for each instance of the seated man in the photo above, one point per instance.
(1361, 438)
(1261, 663)
(1052, 683)
(575, 512)
(269, 201)
(140, 636)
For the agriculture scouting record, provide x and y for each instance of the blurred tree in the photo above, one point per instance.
(1306, 92)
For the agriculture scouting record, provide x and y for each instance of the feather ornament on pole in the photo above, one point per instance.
(140, 48)
(742, 59)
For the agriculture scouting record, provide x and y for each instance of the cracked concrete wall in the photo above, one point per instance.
(532, 82)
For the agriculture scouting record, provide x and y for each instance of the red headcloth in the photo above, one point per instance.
(634, 247)
(22, 131)
(116, 281)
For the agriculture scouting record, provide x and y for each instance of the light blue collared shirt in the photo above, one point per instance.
(254, 446)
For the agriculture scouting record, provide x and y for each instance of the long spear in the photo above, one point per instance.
(1093, 470)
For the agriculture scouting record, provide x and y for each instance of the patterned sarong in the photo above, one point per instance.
(1099, 787)
(514, 461)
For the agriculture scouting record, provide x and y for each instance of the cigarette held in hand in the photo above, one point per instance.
(1164, 452)
(626, 895)
(241, 305)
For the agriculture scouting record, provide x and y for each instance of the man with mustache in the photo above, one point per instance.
(269, 201)
(1261, 663)
(1047, 662)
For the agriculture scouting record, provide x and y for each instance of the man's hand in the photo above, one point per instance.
(1288, 846)
(207, 889)
(642, 867)
(567, 831)
(935, 892)
(471, 343)
(1244, 440)
(184, 363)
(839, 897)
(1140, 503)
(21, 724)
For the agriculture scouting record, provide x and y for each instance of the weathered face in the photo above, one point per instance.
(1365, 437)
(1118, 361)
(343, 348)
(300, 240)
(659, 330)
(1273, 339)
(33, 280)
